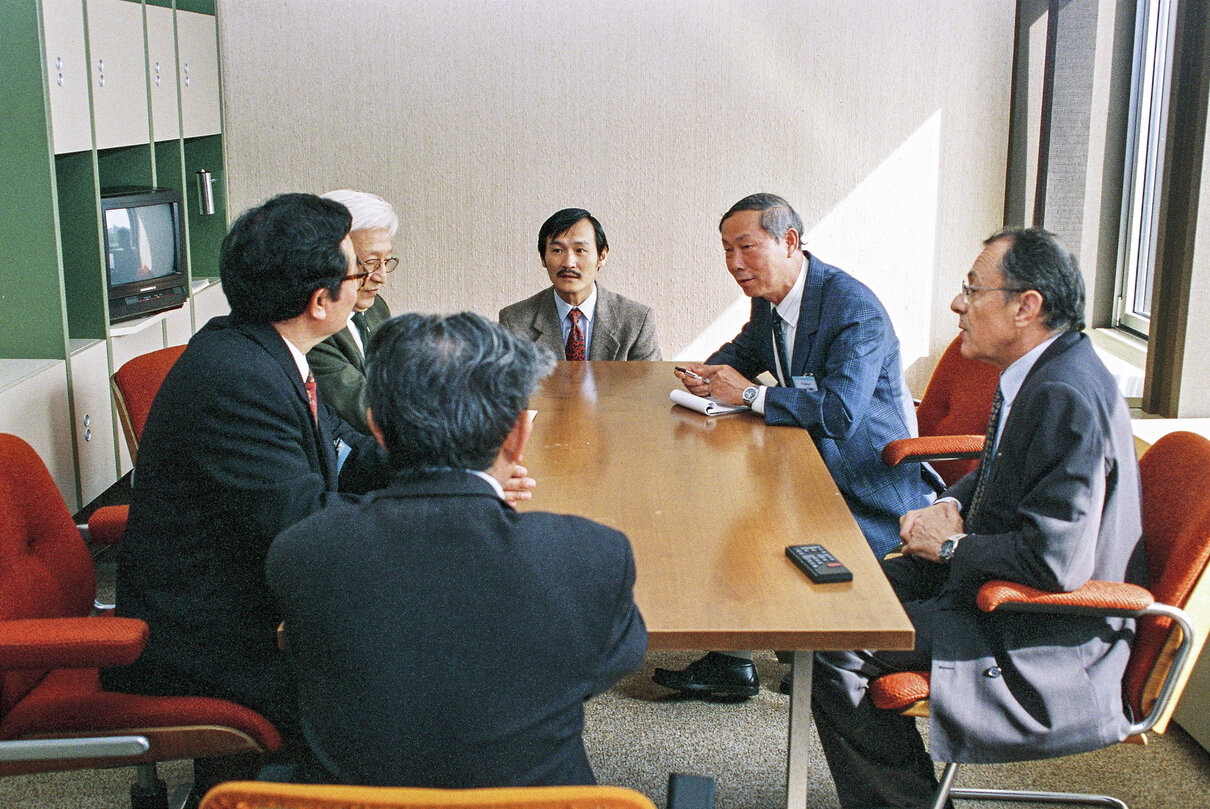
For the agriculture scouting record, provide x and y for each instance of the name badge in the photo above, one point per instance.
(805, 382)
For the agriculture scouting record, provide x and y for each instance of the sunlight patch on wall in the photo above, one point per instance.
(883, 233)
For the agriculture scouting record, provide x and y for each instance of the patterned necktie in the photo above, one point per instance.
(312, 398)
(363, 330)
(575, 338)
(779, 338)
(985, 461)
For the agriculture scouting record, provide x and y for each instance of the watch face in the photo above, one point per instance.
(946, 551)
(749, 395)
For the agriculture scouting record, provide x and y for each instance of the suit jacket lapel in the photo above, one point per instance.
(545, 325)
(808, 315)
(344, 341)
(275, 345)
(604, 341)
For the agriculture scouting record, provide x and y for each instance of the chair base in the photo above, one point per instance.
(946, 791)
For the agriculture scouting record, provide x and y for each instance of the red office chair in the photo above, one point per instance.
(51, 648)
(1176, 536)
(952, 417)
(134, 387)
(260, 795)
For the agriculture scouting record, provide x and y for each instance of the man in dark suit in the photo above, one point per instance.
(576, 318)
(830, 344)
(338, 362)
(441, 638)
(1054, 503)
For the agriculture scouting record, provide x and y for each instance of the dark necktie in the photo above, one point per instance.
(363, 330)
(312, 397)
(985, 461)
(779, 338)
(575, 338)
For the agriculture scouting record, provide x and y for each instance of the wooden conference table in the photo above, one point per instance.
(709, 504)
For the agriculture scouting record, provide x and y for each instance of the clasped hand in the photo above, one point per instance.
(519, 486)
(924, 529)
(721, 382)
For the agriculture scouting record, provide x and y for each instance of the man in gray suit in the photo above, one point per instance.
(1054, 503)
(576, 317)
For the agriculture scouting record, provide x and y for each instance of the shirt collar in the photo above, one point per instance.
(1014, 375)
(588, 308)
(791, 305)
(495, 483)
(300, 359)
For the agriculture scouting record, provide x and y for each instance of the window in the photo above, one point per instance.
(1147, 126)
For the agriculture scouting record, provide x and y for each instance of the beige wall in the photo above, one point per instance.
(884, 123)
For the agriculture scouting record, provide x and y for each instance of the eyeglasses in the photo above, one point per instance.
(372, 265)
(968, 290)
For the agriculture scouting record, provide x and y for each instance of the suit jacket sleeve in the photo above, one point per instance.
(1055, 471)
(627, 640)
(341, 383)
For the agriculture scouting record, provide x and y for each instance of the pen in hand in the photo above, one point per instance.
(688, 373)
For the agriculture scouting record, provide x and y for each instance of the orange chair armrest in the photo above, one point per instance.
(82, 643)
(932, 448)
(108, 524)
(1093, 598)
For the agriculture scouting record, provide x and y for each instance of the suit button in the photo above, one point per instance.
(992, 672)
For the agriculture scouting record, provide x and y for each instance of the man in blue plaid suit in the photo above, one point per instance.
(829, 342)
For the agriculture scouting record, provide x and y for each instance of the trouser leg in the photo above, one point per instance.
(877, 757)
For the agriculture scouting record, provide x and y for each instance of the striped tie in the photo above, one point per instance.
(779, 338)
(985, 462)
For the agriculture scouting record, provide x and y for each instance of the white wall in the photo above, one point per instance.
(884, 123)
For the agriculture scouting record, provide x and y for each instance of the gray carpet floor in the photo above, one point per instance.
(636, 734)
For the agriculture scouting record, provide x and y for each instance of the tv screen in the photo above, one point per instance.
(142, 243)
(144, 251)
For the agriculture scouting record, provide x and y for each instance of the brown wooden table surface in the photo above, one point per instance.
(709, 504)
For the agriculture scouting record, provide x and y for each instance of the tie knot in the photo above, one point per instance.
(359, 320)
(575, 315)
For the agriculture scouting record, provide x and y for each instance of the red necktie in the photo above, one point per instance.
(312, 398)
(575, 338)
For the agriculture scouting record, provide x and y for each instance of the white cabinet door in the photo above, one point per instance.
(66, 75)
(118, 72)
(35, 408)
(93, 413)
(197, 49)
(161, 71)
(178, 325)
(209, 302)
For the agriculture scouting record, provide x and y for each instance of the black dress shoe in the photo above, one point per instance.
(715, 675)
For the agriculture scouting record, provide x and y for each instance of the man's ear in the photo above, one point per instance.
(375, 430)
(792, 241)
(317, 306)
(604, 255)
(514, 443)
(1029, 308)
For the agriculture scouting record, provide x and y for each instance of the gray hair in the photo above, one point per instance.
(445, 390)
(370, 211)
(1036, 259)
(776, 218)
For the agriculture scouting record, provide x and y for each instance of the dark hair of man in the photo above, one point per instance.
(776, 218)
(1037, 260)
(562, 221)
(277, 254)
(446, 389)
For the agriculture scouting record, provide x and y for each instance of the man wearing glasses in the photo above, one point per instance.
(339, 361)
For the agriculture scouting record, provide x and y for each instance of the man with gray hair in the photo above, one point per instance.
(830, 344)
(339, 361)
(442, 639)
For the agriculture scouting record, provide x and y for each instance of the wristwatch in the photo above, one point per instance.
(946, 552)
(749, 394)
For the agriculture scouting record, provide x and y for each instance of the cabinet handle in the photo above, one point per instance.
(87, 420)
(88, 435)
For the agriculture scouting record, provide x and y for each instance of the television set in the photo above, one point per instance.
(144, 251)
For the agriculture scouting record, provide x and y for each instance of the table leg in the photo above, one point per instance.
(798, 752)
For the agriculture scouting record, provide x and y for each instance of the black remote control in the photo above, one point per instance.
(818, 563)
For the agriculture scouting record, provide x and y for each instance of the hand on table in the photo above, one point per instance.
(923, 530)
(721, 382)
